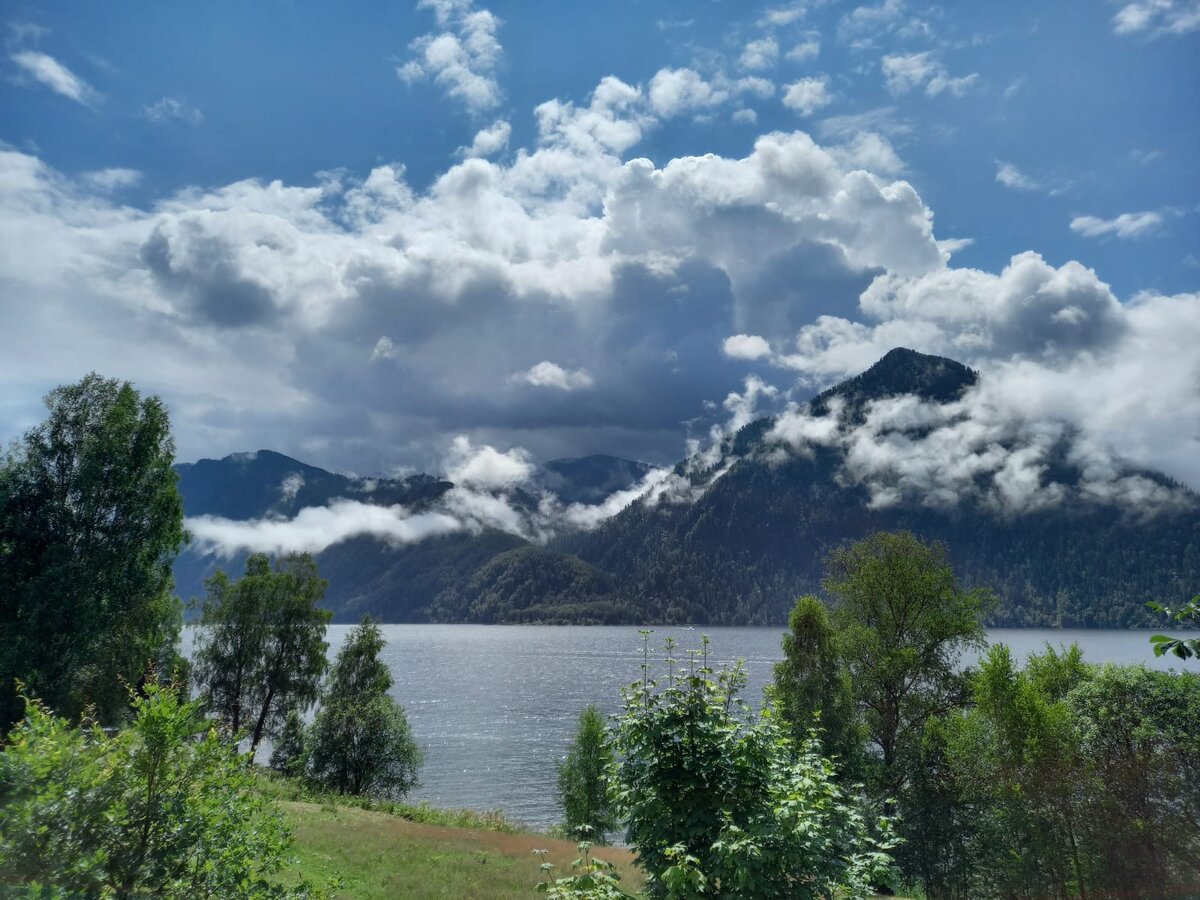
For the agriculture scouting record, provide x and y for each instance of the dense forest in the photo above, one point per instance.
(738, 553)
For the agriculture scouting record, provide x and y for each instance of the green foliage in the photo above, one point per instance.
(583, 780)
(261, 646)
(289, 755)
(1138, 735)
(1017, 758)
(812, 687)
(90, 520)
(1184, 648)
(361, 742)
(591, 878)
(902, 623)
(163, 808)
(719, 801)
(1067, 779)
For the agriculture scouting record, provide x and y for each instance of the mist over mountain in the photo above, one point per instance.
(1065, 533)
(371, 565)
(590, 479)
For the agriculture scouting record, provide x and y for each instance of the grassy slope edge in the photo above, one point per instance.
(385, 850)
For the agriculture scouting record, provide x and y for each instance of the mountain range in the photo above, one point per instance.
(734, 533)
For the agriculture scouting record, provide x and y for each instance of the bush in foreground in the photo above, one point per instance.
(719, 802)
(163, 808)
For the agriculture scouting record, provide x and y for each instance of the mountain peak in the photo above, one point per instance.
(902, 371)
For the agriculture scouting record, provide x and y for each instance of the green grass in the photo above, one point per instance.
(280, 788)
(377, 854)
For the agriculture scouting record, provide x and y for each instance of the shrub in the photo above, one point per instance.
(583, 780)
(164, 808)
(718, 801)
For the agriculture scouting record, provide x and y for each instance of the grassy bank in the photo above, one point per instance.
(376, 854)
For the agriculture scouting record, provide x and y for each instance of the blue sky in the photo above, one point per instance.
(391, 293)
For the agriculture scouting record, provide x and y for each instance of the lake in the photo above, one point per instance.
(494, 706)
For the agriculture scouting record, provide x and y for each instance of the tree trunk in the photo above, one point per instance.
(262, 721)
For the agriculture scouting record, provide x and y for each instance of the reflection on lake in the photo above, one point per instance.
(494, 706)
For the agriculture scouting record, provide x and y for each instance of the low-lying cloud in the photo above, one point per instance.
(979, 449)
(1054, 345)
(486, 467)
(316, 527)
(481, 499)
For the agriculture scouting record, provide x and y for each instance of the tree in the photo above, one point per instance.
(229, 645)
(583, 780)
(261, 651)
(719, 802)
(1020, 770)
(902, 624)
(162, 808)
(90, 521)
(1138, 733)
(361, 742)
(289, 755)
(812, 686)
(1069, 780)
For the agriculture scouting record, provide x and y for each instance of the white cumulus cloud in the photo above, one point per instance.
(804, 51)
(485, 466)
(746, 346)
(759, 54)
(1012, 177)
(167, 109)
(488, 141)
(552, 375)
(384, 348)
(676, 91)
(114, 179)
(576, 248)
(808, 95)
(463, 58)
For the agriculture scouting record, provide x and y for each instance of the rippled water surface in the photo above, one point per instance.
(494, 706)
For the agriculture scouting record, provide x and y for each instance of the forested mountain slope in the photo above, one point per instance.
(757, 535)
(745, 529)
(486, 575)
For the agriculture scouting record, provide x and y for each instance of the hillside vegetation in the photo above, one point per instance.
(744, 546)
